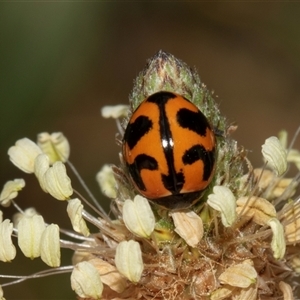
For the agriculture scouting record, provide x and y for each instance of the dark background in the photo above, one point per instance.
(61, 62)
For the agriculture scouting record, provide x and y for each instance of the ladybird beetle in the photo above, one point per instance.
(169, 150)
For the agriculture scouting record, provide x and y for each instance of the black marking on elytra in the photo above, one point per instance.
(198, 152)
(191, 120)
(136, 130)
(142, 161)
(174, 181)
(161, 98)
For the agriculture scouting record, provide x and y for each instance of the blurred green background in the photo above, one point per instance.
(61, 62)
